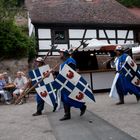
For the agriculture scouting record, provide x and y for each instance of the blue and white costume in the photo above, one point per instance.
(64, 96)
(121, 85)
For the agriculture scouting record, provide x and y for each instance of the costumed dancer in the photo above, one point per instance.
(122, 85)
(67, 102)
(40, 102)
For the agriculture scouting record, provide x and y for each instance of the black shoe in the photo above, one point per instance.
(65, 118)
(37, 114)
(83, 109)
(55, 106)
(120, 103)
(138, 98)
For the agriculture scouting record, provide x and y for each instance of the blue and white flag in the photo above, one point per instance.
(71, 83)
(44, 89)
(131, 71)
(39, 73)
(47, 93)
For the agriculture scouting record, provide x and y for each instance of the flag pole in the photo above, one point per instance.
(26, 92)
(31, 88)
(82, 41)
(53, 46)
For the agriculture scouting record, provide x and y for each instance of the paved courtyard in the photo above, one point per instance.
(102, 121)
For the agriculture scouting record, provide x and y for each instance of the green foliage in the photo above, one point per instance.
(130, 3)
(8, 9)
(32, 49)
(15, 43)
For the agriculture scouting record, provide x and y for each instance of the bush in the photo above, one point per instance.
(15, 43)
(31, 49)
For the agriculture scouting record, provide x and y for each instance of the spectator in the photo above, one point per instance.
(9, 85)
(7, 78)
(2, 91)
(20, 84)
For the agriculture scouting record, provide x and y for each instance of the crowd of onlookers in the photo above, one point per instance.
(10, 89)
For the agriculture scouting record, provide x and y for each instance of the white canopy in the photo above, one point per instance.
(136, 50)
(95, 44)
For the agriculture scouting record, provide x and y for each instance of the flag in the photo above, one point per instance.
(44, 89)
(39, 73)
(131, 71)
(71, 83)
(47, 93)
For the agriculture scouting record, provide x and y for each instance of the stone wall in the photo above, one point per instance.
(13, 65)
(53, 61)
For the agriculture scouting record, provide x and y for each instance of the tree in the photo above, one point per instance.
(130, 3)
(8, 9)
(14, 42)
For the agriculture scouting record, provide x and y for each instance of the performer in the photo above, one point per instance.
(67, 102)
(40, 102)
(123, 86)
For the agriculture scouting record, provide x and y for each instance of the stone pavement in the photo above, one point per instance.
(125, 117)
(88, 127)
(16, 122)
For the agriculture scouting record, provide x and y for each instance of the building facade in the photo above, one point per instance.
(67, 23)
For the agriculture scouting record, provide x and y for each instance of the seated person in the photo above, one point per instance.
(2, 91)
(20, 85)
(9, 85)
(7, 78)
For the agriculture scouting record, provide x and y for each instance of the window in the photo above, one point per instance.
(60, 36)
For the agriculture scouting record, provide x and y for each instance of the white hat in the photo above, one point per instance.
(64, 50)
(39, 59)
(119, 48)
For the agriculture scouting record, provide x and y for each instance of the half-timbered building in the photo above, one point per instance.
(66, 22)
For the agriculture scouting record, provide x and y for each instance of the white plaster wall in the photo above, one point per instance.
(101, 80)
(76, 35)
